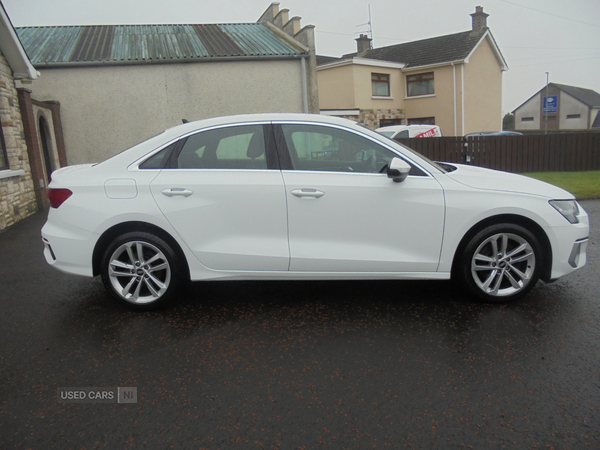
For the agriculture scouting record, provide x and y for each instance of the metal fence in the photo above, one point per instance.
(519, 154)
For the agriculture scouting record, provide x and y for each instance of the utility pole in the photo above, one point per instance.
(546, 105)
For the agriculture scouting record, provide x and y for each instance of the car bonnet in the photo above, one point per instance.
(488, 179)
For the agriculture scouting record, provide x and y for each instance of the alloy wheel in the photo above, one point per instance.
(139, 272)
(503, 264)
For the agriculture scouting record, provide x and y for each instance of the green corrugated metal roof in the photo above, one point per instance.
(122, 44)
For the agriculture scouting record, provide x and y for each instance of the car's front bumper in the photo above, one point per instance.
(569, 246)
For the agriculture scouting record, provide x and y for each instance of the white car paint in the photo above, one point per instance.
(346, 231)
(297, 224)
(493, 180)
(225, 206)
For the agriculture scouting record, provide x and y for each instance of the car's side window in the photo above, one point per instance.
(158, 160)
(314, 147)
(241, 147)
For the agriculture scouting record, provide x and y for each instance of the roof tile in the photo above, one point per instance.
(441, 49)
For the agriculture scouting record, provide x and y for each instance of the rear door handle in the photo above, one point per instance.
(171, 192)
(310, 193)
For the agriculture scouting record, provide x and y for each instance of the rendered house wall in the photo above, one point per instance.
(530, 109)
(483, 91)
(106, 109)
(570, 106)
(469, 92)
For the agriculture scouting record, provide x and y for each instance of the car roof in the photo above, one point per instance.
(266, 117)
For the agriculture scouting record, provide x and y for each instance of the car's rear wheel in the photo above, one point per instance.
(501, 263)
(141, 270)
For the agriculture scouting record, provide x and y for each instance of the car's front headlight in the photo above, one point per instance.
(568, 208)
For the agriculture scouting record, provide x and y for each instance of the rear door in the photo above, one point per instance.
(223, 193)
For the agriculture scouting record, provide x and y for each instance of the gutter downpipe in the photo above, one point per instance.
(462, 96)
(454, 87)
(304, 86)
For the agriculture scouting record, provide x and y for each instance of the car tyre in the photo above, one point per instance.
(501, 263)
(141, 271)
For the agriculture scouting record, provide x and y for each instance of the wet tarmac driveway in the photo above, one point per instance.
(298, 364)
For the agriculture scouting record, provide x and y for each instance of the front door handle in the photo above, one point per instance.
(171, 192)
(310, 193)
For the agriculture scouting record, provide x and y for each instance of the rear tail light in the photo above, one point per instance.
(58, 196)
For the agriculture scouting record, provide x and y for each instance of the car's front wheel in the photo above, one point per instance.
(141, 270)
(501, 263)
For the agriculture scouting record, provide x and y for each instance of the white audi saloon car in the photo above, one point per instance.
(294, 196)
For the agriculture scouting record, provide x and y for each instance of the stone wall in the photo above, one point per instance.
(371, 118)
(17, 197)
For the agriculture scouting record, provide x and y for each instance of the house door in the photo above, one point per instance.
(46, 157)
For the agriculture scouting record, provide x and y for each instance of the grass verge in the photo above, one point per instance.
(581, 184)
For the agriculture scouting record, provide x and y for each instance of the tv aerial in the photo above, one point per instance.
(369, 30)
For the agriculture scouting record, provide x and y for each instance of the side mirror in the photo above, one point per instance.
(398, 170)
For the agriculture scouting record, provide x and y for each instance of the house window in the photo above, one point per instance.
(3, 154)
(526, 119)
(422, 120)
(573, 116)
(421, 84)
(380, 83)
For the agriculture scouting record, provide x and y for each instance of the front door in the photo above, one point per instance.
(345, 216)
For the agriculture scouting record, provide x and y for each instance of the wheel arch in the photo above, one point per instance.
(526, 223)
(126, 227)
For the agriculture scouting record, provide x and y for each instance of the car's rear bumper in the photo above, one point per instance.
(68, 248)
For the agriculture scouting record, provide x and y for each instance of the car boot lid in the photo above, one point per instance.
(70, 171)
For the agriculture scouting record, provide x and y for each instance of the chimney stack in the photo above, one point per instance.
(479, 19)
(363, 44)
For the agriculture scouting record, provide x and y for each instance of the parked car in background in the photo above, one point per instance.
(410, 131)
(293, 196)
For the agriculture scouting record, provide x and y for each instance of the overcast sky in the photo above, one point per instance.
(535, 36)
